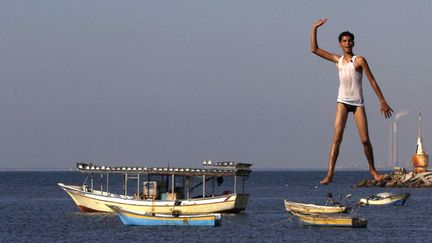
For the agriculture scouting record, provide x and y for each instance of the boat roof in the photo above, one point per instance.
(224, 168)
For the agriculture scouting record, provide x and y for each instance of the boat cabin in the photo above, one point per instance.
(167, 183)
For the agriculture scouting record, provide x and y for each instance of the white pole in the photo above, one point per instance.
(395, 149)
(173, 184)
(235, 183)
(138, 185)
(390, 162)
(126, 184)
(107, 183)
(203, 186)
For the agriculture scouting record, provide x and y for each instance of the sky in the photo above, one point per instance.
(179, 82)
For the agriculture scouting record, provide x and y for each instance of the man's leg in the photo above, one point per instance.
(362, 126)
(339, 126)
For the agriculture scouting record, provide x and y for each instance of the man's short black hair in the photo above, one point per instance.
(346, 33)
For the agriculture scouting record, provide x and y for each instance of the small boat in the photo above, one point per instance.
(147, 219)
(313, 208)
(330, 220)
(385, 198)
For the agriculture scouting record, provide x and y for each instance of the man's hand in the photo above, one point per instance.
(319, 22)
(385, 109)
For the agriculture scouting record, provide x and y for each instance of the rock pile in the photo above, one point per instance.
(400, 178)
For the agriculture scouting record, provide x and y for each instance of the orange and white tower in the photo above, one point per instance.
(420, 159)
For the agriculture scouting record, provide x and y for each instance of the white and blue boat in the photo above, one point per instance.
(385, 198)
(148, 219)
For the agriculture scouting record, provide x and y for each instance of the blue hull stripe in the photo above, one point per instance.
(127, 220)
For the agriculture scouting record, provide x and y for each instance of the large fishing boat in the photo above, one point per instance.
(161, 190)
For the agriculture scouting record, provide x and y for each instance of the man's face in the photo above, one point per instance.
(347, 43)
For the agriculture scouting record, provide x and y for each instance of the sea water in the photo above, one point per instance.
(34, 209)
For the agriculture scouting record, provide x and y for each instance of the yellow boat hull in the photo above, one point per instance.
(313, 208)
(331, 220)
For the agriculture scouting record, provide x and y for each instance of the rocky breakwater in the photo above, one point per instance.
(400, 178)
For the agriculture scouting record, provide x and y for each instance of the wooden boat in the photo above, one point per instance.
(386, 198)
(330, 220)
(162, 188)
(146, 219)
(313, 208)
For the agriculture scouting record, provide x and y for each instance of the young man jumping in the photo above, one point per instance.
(350, 97)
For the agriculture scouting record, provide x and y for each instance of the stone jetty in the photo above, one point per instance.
(418, 177)
(400, 178)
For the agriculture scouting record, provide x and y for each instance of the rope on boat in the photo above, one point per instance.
(103, 217)
(289, 219)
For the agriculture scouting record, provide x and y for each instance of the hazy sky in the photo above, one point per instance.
(158, 82)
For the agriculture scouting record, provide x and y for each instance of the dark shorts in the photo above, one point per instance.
(350, 108)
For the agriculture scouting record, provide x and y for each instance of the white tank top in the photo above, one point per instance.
(350, 87)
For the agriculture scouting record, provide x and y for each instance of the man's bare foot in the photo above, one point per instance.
(327, 180)
(377, 176)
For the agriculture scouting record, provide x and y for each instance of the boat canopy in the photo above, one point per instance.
(224, 168)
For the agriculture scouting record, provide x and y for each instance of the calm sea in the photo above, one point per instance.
(34, 209)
